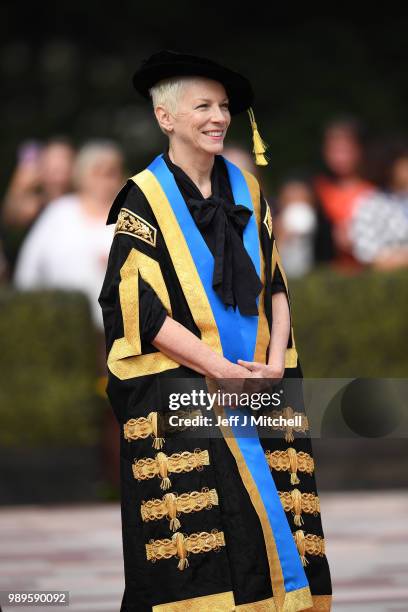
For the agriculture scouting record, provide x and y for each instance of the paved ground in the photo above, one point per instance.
(79, 549)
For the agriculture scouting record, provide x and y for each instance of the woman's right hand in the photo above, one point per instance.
(232, 380)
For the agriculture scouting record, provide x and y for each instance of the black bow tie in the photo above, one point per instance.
(234, 277)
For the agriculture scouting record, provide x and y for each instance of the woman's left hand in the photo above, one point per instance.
(273, 370)
(257, 370)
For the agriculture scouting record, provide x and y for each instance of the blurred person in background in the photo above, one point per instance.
(341, 183)
(43, 174)
(68, 245)
(240, 157)
(3, 265)
(296, 226)
(379, 226)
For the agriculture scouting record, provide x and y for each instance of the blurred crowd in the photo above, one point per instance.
(350, 214)
(353, 213)
(53, 217)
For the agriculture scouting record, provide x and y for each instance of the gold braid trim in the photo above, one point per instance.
(135, 429)
(220, 602)
(298, 502)
(162, 465)
(308, 543)
(182, 545)
(290, 461)
(288, 413)
(172, 505)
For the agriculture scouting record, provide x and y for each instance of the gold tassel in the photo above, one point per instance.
(259, 145)
(174, 524)
(293, 466)
(157, 442)
(178, 538)
(301, 546)
(297, 507)
(171, 502)
(162, 465)
(288, 414)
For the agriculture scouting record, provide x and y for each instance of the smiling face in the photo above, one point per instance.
(201, 118)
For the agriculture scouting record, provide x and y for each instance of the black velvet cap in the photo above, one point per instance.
(167, 63)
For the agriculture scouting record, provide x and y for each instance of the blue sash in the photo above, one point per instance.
(238, 339)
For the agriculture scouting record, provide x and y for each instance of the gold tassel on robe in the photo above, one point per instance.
(171, 500)
(293, 466)
(288, 414)
(301, 546)
(157, 442)
(297, 507)
(259, 145)
(163, 467)
(178, 538)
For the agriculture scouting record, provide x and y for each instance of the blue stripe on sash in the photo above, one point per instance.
(238, 339)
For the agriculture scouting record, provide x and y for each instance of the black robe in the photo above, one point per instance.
(230, 566)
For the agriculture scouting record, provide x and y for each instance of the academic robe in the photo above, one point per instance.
(216, 523)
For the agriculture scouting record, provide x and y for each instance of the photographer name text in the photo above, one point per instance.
(235, 420)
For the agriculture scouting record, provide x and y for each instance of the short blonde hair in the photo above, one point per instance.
(167, 93)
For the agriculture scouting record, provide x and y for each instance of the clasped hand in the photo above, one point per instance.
(253, 376)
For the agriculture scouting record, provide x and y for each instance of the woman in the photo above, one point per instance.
(189, 297)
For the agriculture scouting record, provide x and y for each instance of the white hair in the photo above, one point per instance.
(167, 92)
(90, 154)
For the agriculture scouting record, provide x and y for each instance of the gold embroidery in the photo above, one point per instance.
(300, 599)
(299, 502)
(290, 461)
(132, 224)
(268, 219)
(288, 413)
(162, 465)
(308, 543)
(125, 359)
(322, 603)
(172, 505)
(220, 602)
(134, 429)
(265, 605)
(142, 427)
(182, 545)
(224, 602)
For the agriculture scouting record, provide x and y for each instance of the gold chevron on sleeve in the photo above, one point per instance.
(290, 461)
(182, 546)
(134, 225)
(163, 465)
(173, 505)
(268, 219)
